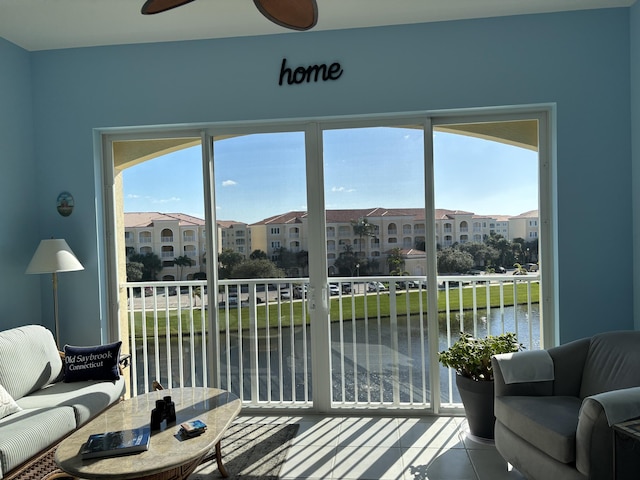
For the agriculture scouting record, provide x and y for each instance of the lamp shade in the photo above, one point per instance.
(53, 255)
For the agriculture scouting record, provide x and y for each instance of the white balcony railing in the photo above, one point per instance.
(262, 344)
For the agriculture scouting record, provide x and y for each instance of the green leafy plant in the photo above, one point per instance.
(471, 357)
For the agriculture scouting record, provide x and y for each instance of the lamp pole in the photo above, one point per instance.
(54, 279)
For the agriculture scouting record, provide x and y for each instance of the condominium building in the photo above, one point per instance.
(168, 235)
(173, 235)
(403, 228)
(234, 236)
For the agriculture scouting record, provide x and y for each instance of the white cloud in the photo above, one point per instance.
(229, 183)
(166, 200)
(134, 196)
(343, 189)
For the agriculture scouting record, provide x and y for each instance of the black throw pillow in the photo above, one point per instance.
(99, 362)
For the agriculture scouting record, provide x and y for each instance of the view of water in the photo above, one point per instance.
(382, 359)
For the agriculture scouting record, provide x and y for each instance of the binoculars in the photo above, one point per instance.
(165, 410)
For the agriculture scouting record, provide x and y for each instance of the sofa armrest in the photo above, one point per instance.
(123, 362)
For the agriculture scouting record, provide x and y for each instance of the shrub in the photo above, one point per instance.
(471, 357)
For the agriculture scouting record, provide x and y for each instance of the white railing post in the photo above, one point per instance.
(253, 341)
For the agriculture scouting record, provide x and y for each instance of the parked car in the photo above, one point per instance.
(531, 267)
(300, 291)
(334, 289)
(285, 295)
(232, 300)
(346, 287)
(376, 287)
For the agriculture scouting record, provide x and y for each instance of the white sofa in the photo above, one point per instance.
(49, 406)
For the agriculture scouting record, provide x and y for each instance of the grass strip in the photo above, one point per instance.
(291, 313)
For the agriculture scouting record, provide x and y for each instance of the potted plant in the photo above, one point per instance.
(471, 359)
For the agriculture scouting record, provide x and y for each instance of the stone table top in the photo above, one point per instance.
(167, 450)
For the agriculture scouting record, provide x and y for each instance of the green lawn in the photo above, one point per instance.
(291, 312)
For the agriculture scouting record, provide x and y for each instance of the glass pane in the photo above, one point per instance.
(375, 216)
(260, 192)
(486, 196)
(165, 233)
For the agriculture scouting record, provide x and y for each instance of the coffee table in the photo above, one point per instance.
(169, 456)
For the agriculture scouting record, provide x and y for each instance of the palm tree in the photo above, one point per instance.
(362, 228)
(395, 260)
(182, 261)
(151, 265)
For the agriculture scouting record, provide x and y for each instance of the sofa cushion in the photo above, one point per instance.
(28, 432)
(87, 398)
(30, 359)
(7, 404)
(548, 423)
(612, 363)
(98, 362)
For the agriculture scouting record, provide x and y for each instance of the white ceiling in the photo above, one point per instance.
(53, 24)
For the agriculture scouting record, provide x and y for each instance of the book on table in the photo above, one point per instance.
(192, 428)
(111, 444)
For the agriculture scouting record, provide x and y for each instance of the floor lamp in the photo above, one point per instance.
(54, 256)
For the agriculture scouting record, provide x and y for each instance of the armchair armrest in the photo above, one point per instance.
(618, 405)
(594, 435)
(523, 374)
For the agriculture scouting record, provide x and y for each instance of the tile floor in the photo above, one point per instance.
(381, 448)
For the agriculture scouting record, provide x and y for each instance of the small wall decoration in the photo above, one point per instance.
(312, 73)
(65, 204)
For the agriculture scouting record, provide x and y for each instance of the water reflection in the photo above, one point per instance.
(372, 361)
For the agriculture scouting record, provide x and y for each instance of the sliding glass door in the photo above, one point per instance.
(340, 256)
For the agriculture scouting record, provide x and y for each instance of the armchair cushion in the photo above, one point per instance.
(548, 423)
(612, 363)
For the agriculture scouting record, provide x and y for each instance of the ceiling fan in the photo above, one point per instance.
(293, 14)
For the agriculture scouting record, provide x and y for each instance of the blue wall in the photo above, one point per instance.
(19, 237)
(635, 145)
(578, 60)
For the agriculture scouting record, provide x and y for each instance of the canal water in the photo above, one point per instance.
(374, 361)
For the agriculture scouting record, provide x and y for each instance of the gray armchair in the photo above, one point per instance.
(559, 424)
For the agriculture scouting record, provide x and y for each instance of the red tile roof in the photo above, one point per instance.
(146, 219)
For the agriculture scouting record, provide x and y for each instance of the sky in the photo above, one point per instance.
(260, 175)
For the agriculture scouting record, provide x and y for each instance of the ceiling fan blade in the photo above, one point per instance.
(157, 6)
(293, 14)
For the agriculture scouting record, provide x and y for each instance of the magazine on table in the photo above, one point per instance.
(122, 442)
